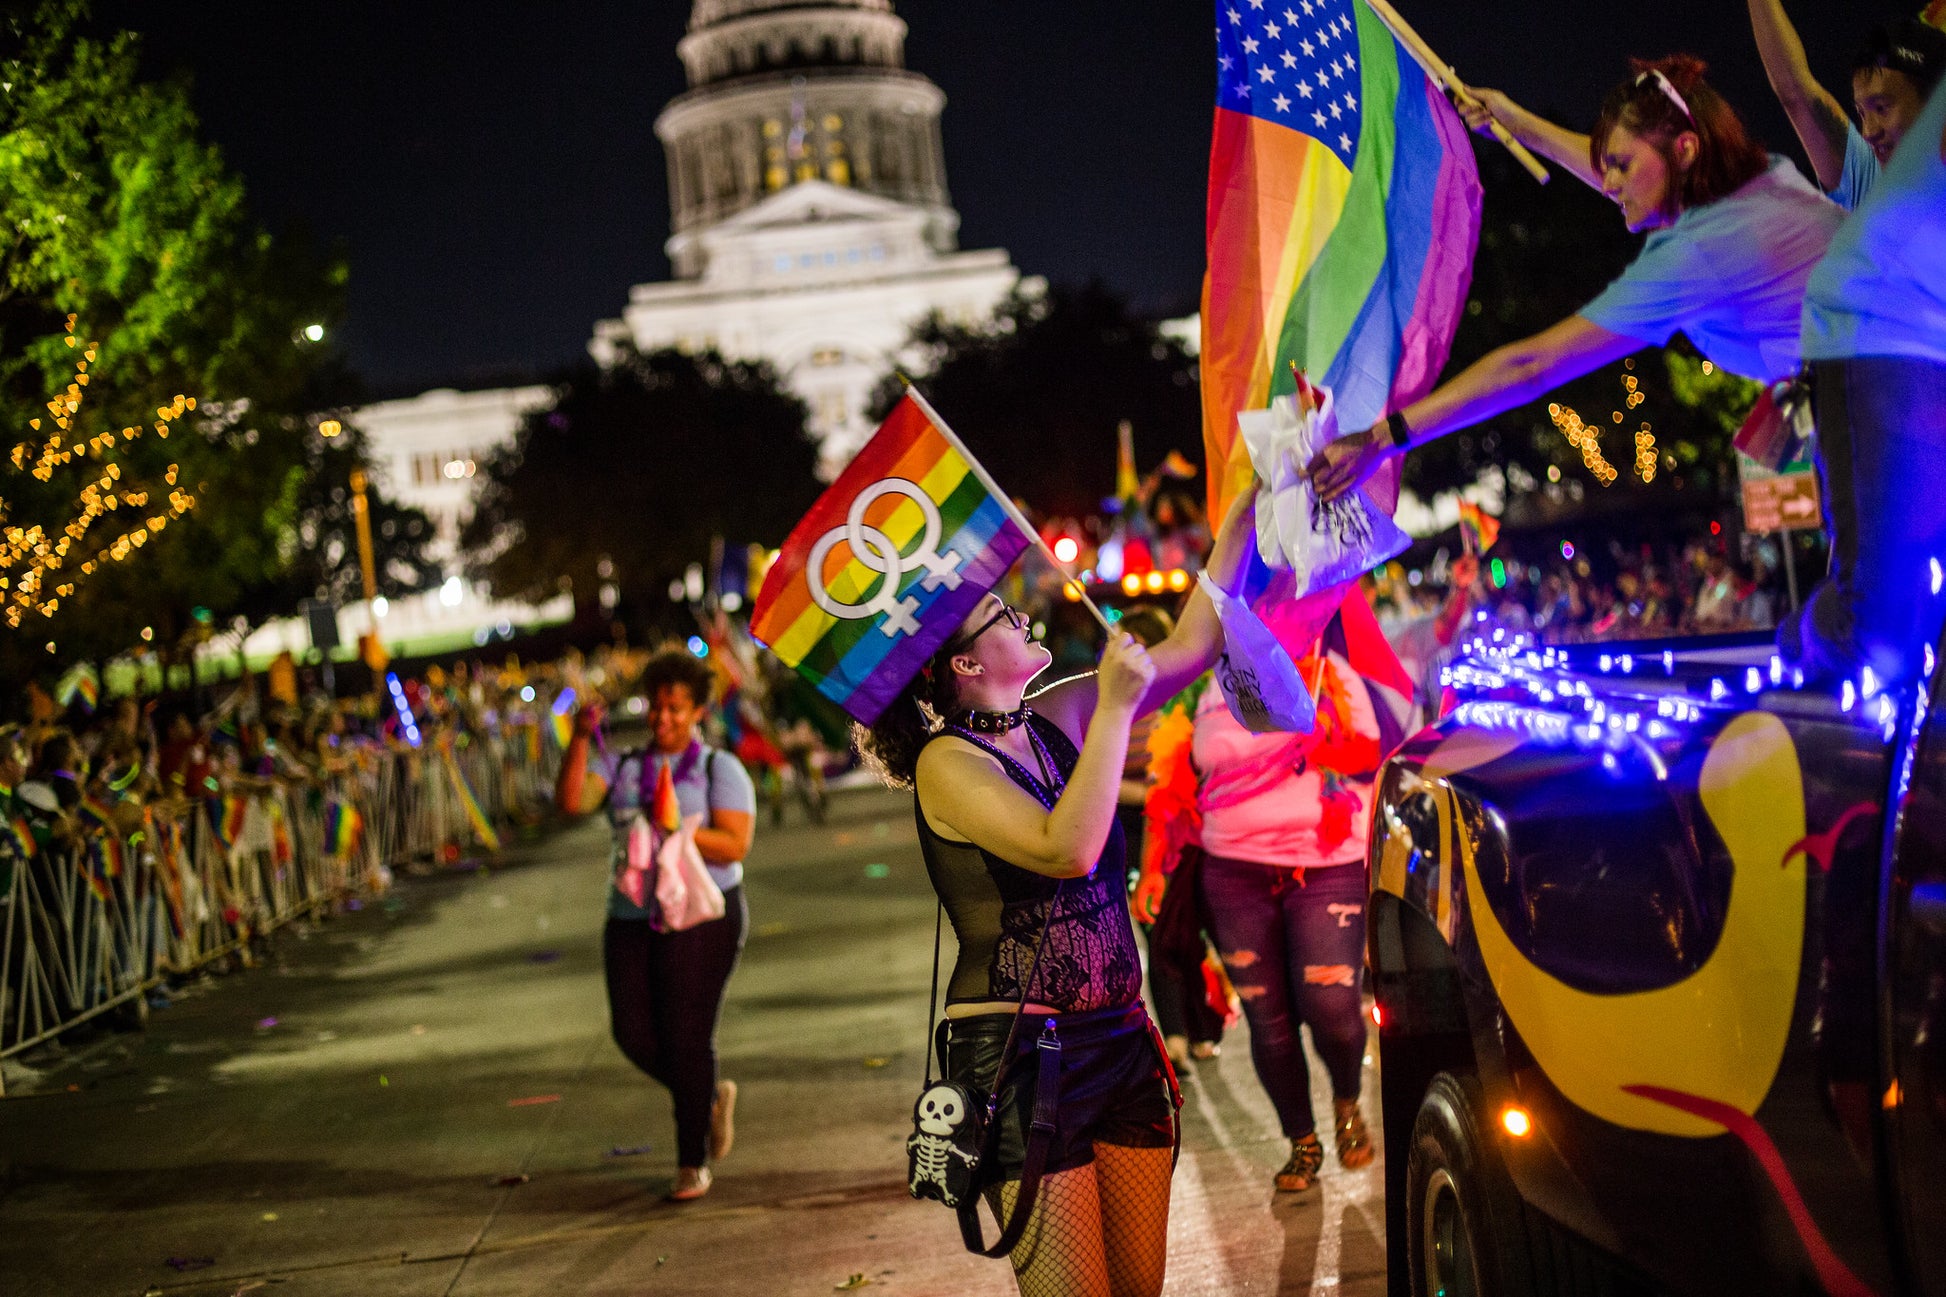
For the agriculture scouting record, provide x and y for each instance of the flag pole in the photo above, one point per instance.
(1442, 74)
(1006, 501)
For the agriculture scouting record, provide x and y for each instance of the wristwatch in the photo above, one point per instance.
(1396, 428)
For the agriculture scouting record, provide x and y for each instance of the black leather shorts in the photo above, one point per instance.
(1116, 1085)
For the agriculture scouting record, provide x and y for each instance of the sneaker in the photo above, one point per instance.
(692, 1182)
(1301, 1172)
(1354, 1141)
(722, 1121)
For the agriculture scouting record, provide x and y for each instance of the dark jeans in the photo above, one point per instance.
(665, 992)
(1293, 941)
(1882, 458)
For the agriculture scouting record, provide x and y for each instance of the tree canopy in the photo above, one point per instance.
(1038, 391)
(641, 466)
(131, 275)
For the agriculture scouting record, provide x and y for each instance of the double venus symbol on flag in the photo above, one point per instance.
(872, 549)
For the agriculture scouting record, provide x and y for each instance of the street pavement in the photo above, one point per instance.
(421, 1099)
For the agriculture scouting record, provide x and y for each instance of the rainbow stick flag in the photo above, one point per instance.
(96, 813)
(1344, 207)
(482, 827)
(20, 838)
(1478, 528)
(95, 870)
(81, 681)
(229, 819)
(342, 825)
(560, 717)
(888, 562)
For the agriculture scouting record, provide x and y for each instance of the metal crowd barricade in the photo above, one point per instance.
(80, 936)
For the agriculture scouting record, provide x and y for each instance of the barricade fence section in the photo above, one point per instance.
(96, 918)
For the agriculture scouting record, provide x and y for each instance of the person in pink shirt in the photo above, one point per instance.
(1285, 822)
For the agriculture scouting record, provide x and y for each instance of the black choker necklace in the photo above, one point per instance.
(994, 722)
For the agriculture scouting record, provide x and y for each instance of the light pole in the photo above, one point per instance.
(361, 515)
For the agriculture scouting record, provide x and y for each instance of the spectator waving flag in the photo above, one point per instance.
(1344, 207)
(888, 562)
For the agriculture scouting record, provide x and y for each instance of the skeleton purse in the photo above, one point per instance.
(949, 1125)
(949, 1153)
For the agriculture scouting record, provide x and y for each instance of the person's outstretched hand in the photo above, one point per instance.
(1126, 673)
(588, 719)
(1479, 108)
(1345, 464)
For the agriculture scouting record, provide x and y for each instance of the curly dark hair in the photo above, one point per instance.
(674, 666)
(1726, 157)
(892, 743)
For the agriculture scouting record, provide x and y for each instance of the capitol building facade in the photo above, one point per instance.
(810, 226)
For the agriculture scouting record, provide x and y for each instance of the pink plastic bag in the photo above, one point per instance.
(685, 894)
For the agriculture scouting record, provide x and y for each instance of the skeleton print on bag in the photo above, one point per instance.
(942, 1152)
(1091, 962)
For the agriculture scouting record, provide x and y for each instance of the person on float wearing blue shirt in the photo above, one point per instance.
(1890, 80)
(1875, 334)
(1733, 235)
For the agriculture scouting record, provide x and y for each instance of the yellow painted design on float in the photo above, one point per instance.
(1720, 1032)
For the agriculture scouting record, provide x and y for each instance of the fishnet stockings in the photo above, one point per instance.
(1097, 1231)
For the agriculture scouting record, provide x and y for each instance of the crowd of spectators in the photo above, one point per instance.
(1623, 593)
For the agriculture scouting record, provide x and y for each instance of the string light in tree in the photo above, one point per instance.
(1584, 438)
(31, 556)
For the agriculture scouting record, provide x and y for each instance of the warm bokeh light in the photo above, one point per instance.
(1516, 1122)
(1067, 549)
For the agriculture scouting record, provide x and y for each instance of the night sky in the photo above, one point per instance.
(492, 172)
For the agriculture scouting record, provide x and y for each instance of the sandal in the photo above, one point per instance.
(1301, 1172)
(1354, 1141)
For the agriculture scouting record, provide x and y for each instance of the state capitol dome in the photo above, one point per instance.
(782, 92)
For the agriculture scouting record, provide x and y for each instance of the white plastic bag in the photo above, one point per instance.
(1258, 679)
(1322, 545)
(685, 894)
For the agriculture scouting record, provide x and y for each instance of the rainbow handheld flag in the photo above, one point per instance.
(1478, 528)
(482, 826)
(20, 838)
(888, 562)
(1344, 207)
(342, 825)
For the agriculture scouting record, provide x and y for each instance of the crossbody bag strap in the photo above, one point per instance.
(1047, 1085)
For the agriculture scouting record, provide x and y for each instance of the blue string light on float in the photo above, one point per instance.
(407, 724)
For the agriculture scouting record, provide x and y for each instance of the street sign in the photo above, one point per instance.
(1787, 502)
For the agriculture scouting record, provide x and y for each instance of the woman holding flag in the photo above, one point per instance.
(1016, 811)
(1733, 235)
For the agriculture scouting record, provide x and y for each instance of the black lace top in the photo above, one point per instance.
(997, 909)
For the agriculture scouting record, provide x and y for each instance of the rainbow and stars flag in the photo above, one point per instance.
(888, 562)
(1344, 207)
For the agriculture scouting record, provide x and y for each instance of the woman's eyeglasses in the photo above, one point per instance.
(1013, 616)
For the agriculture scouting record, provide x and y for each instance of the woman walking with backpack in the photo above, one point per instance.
(665, 987)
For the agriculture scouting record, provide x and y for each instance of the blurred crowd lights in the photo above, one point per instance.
(1155, 581)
